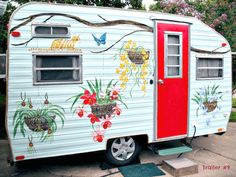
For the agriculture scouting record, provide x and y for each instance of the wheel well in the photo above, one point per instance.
(142, 139)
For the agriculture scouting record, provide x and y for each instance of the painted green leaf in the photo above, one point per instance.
(91, 87)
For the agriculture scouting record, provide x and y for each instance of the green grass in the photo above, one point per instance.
(234, 103)
(233, 117)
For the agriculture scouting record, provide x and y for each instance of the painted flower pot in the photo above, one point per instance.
(103, 110)
(210, 106)
(137, 57)
(38, 124)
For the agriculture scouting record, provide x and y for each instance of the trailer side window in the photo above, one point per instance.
(209, 68)
(56, 69)
(173, 55)
(51, 30)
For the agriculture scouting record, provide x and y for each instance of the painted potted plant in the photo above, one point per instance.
(103, 105)
(39, 120)
(207, 98)
(134, 65)
(138, 55)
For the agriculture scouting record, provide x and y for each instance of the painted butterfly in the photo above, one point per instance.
(101, 40)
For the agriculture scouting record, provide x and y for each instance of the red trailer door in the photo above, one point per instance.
(172, 86)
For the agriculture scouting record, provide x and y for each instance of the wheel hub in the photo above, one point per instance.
(123, 148)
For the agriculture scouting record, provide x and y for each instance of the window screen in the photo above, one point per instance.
(51, 30)
(2, 65)
(173, 64)
(43, 30)
(57, 69)
(59, 30)
(209, 68)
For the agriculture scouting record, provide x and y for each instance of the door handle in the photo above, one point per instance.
(151, 81)
(160, 81)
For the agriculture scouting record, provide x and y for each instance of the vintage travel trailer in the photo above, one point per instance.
(83, 79)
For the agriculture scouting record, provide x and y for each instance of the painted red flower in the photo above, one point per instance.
(98, 135)
(107, 122)
(89, 98)
(80, 111)
(114, 93)
(117, 111)
(99, 138)
(93, 118)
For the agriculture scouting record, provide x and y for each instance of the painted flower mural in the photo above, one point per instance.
(207, 99)
(103, 106)
(40, 120)
(134, 65)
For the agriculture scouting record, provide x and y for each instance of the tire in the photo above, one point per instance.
(122, 151)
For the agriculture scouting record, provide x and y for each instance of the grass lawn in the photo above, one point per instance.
(233, 117)
(234, 103)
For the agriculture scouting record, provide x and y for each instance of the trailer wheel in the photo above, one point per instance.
(122, 151)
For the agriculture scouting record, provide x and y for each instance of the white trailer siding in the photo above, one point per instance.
(138, 119)
(203, 36)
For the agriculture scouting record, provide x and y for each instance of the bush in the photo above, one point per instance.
(234, 103)
(233, 117)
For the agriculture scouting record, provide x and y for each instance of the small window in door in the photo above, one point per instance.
(173, 55)
(57, 69)
(209, 68)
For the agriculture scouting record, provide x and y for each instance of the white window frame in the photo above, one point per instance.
(35, 69)
(208, 56)
(34, 34)
(180, 34)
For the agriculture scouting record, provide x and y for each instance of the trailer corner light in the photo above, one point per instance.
(223, 44)
(15, 33)
(220, 129)
(21, 157)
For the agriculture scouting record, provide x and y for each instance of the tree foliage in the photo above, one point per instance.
(3, 27)
(180, 7)
(136, 4)
(218, 14)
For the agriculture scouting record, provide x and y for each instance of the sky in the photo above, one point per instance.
(147, 3)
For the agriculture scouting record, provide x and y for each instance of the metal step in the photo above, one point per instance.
(169, 148)
(174, 150)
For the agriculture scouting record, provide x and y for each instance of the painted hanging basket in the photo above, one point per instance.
(38, 124)
(103, 110)
(210, 106)
(137, 57)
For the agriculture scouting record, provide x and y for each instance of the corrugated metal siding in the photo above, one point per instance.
(205, 38)
(76, 135)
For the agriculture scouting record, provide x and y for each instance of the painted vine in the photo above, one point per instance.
(144, 27)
